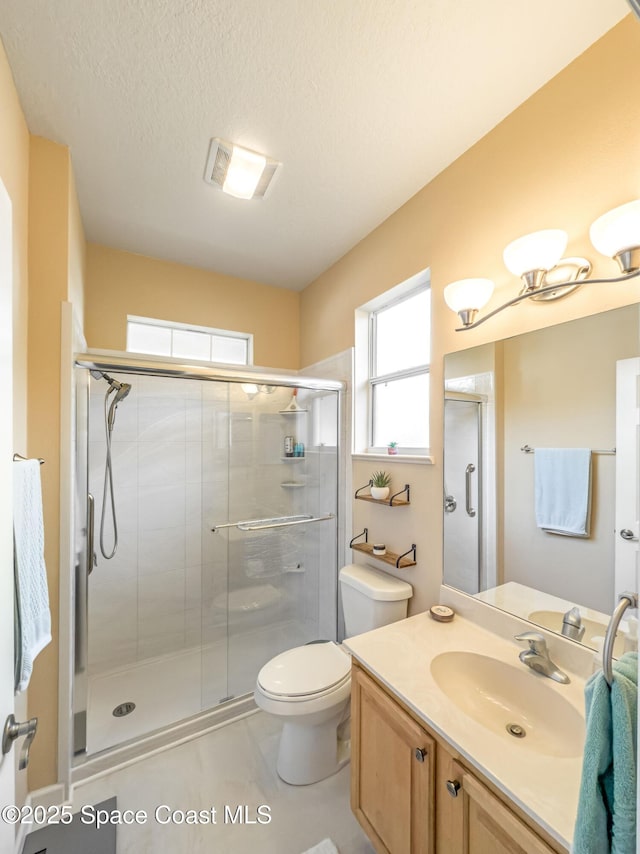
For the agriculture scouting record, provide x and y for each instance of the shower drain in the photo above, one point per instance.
(516, 730)
(123, 709)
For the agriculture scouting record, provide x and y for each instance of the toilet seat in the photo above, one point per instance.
(305, 673)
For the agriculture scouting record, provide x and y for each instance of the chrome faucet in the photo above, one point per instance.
(537, 657)
(572, 624)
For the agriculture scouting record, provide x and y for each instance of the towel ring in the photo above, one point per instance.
(625, 600)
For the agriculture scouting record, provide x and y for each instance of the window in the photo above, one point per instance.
(160, 338)
(399, 351)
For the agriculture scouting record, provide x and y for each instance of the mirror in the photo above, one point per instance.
(573, 385)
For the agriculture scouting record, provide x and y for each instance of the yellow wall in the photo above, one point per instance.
(14, 171)
(56, 251)
(565, 156)
(121, 283)
(561, 159)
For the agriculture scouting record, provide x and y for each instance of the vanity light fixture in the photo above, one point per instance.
(251, 389)
(238, 171)
(537, 259)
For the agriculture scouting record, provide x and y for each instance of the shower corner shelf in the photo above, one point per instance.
(400, 561)
(393, 501)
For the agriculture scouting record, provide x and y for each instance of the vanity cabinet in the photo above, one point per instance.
(413, 795)
(478, 822)
(392, 776)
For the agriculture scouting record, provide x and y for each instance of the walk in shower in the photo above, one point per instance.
(225, 490)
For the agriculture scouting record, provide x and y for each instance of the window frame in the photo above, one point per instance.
(373, 378)
(176, 326)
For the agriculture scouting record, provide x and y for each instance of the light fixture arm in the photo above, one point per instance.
(544, 290)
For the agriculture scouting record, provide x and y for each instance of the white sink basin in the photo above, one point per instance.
(497, 695)
(592, 629)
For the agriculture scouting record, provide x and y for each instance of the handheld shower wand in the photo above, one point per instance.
(119, 391)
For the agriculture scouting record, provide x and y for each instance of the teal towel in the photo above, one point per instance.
(606, 820)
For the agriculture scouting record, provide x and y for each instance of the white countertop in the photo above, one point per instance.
(399, 655)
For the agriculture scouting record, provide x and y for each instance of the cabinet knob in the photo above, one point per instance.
(453, 787)
(420, 753)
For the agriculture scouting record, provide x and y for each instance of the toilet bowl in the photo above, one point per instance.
(309, 687)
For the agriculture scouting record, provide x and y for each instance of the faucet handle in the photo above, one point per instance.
(537, 642)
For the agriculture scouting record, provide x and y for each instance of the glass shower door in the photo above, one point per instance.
(462, 495)
(281, 565)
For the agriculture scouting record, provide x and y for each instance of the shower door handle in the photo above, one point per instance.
(467, 484)
(278, 522)
(91, 555)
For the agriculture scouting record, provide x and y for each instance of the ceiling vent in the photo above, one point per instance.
(239, 171)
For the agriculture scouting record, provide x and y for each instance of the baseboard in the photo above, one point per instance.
(49, 796)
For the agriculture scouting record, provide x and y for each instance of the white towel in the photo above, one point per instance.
(31, 573)
(563, 490)
(324, 847)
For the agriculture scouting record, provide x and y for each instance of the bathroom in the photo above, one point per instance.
(556, 153)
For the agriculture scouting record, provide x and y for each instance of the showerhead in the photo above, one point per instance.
(121, 391)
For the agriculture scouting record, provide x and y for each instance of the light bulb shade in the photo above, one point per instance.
(468, 294)
(617, 230)
(250, 389)
(244, 173)
(540, 250)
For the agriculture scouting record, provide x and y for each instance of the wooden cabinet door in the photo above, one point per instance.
(392, 772)
(485, 825)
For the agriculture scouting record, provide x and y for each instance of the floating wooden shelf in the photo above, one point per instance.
(292, 411)
(390, 502)
(393, 501)
(390, 557)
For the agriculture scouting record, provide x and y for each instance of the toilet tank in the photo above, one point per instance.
(371, 598)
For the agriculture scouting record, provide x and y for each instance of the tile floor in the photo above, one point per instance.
(232, 766)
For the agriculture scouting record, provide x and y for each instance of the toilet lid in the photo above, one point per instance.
(305, 670)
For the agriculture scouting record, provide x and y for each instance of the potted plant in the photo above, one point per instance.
(380, 481)
(392, 448)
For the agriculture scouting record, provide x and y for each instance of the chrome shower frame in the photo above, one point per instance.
(82, 766)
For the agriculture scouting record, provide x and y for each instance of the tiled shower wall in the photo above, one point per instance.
(146, 601)
(187, 454)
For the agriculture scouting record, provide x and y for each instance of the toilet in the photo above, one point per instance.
(309, 686)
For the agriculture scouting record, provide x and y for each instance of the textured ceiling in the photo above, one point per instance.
(363, 101)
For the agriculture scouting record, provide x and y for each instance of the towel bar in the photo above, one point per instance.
(625, 600)
(17, 457)
(527, 449)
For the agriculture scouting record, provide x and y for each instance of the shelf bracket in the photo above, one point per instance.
(402, 491)
(411, 550)
(366, 486)
(364, 534)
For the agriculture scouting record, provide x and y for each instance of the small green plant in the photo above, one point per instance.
(380, 479)
(392, 445)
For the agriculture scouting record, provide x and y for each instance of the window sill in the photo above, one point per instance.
(414, 459)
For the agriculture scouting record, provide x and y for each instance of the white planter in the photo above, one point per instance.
(380, 492)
